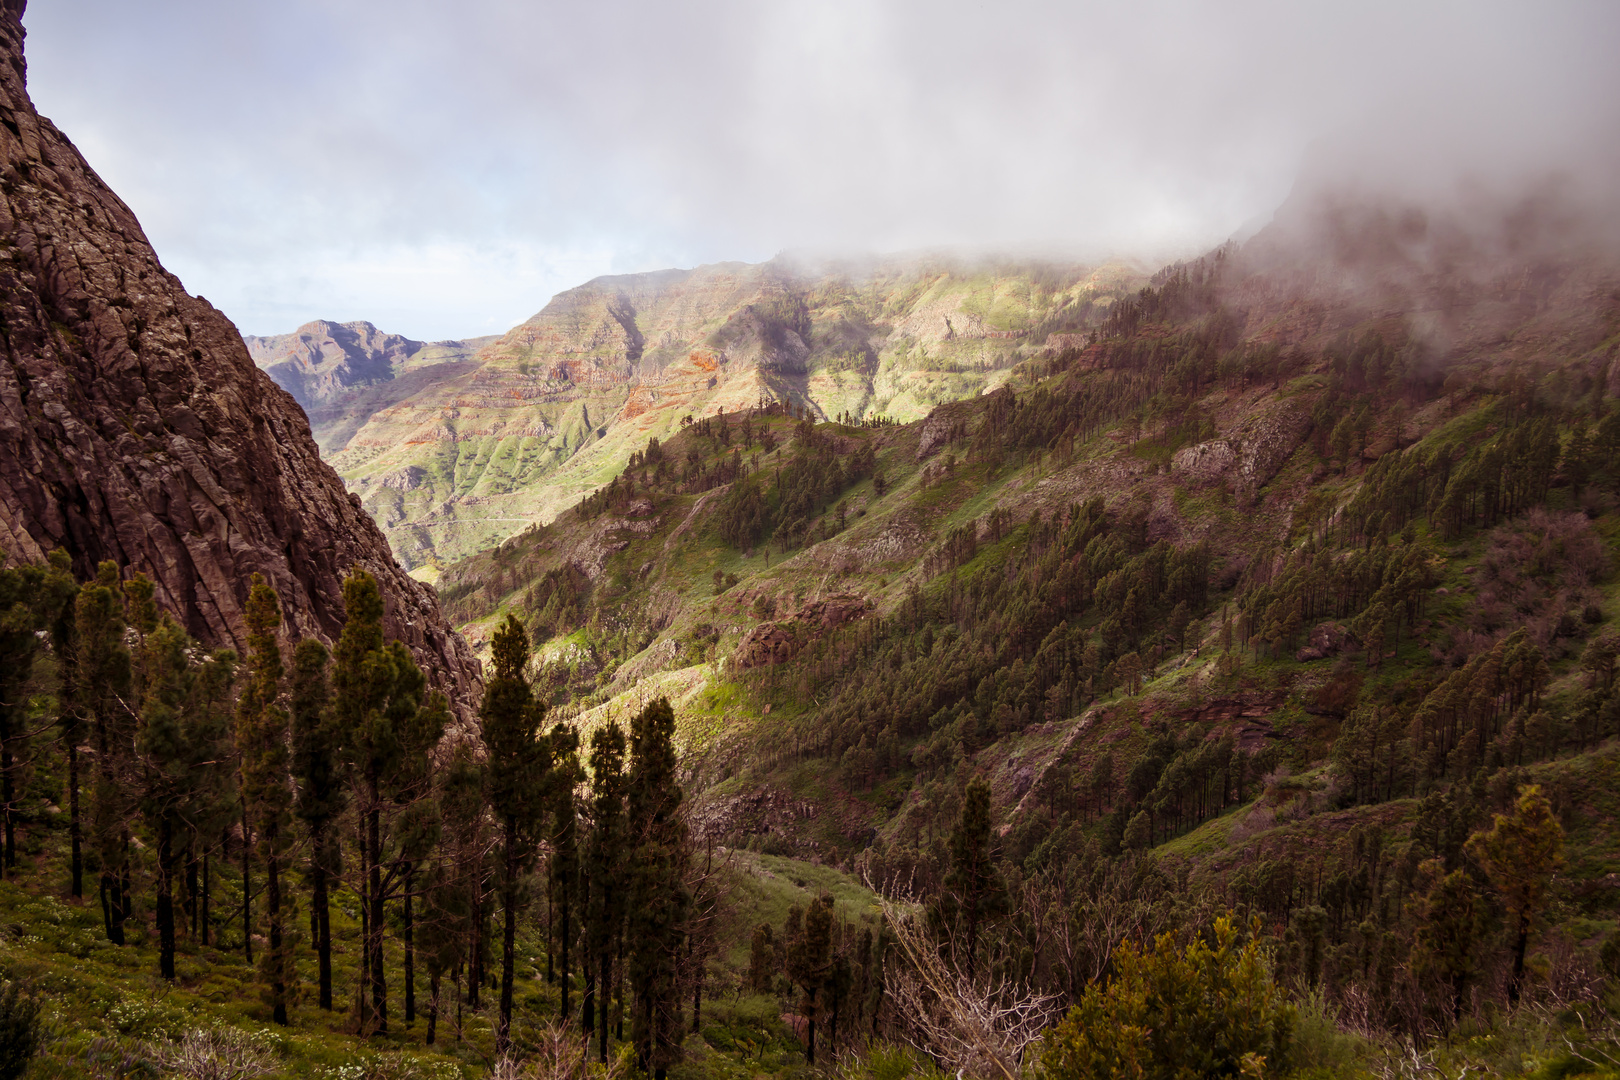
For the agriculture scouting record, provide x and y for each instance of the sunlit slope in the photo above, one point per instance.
(555, 407)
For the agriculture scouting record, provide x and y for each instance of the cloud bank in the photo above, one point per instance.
(443, 169)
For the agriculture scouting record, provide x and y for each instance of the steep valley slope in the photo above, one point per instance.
(457, 445)
(135, 428)
(1315, 543)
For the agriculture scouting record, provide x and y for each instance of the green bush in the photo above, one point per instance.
(1206, 1009)
(19, 1030)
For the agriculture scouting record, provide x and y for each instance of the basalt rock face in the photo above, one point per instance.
(135, 427)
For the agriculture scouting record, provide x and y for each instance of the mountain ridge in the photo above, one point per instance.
(541, 416)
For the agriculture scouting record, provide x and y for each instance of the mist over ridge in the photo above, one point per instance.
(442, 172)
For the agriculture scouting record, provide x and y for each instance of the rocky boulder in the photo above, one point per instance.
(1326, 639)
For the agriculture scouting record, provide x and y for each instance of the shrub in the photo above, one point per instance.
(1206, 1009)
(19, 1030)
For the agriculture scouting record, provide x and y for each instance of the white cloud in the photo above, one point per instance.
(450, 166)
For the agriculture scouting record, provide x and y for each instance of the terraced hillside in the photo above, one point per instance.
(454, 450)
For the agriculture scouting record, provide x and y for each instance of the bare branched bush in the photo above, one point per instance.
(556, 1052)
(975, 1026)
(215, 1053)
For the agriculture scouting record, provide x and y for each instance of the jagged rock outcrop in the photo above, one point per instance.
(344, 373)
(778, 642)
(135, 427)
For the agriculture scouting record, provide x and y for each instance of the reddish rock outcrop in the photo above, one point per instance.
(135, 427)
(778, 642)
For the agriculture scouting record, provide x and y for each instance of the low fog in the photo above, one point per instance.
(442, 169)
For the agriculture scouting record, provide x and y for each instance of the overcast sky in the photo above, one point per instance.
(442, 169)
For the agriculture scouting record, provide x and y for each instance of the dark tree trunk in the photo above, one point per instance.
(587, 1010)
(9, 793)
(605, 963)
(321, 931)
(104, 891)
(379, 988)
(618, 984)
(202, 916)
(562, 944)
(191, 889)
(475, 950)
(410, 955)
(75, 832)
(433, 1005)
(503, 1033)
(1521, 939)
(272, 883)
(247, 888)
(165, 901)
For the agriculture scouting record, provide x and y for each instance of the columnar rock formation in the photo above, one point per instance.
(135, 427)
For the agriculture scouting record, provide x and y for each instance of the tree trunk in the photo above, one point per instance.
(247, 887)
(106, 906)
(433, 1005)
(379, 988)
(278, 962)
(9, 793)
(1521, 940)
(319, 910)
(74, 829)
(562, 944)
(605, 962)
(475, 951)
(410, 955)
(587, 1010)
(165, 900)
(191, 888)
(503, 1033)
(202, 916)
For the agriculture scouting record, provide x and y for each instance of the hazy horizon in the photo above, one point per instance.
(443, 172)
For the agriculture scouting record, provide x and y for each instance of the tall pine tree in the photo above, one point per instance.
(261, 742)
(321, 794)
(658, 896)
(605, 874)
(387, 734)
(518, 767)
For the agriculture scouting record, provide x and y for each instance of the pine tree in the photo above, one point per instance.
(388, 732)
(974, 892)
(518, 763)
(448, 929)
(1520, 854)
(563, 743)
(61, 593)
(318, 770)
(182, 744)
(605, 870)
(1448, 932)
(104, 676)
(761, 959)
(658, 898)
(809, 964)
(22, 616)
(261, 741)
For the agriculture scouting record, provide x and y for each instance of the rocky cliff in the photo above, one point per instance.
(135, 427)
(342, 373)
(452, 459)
